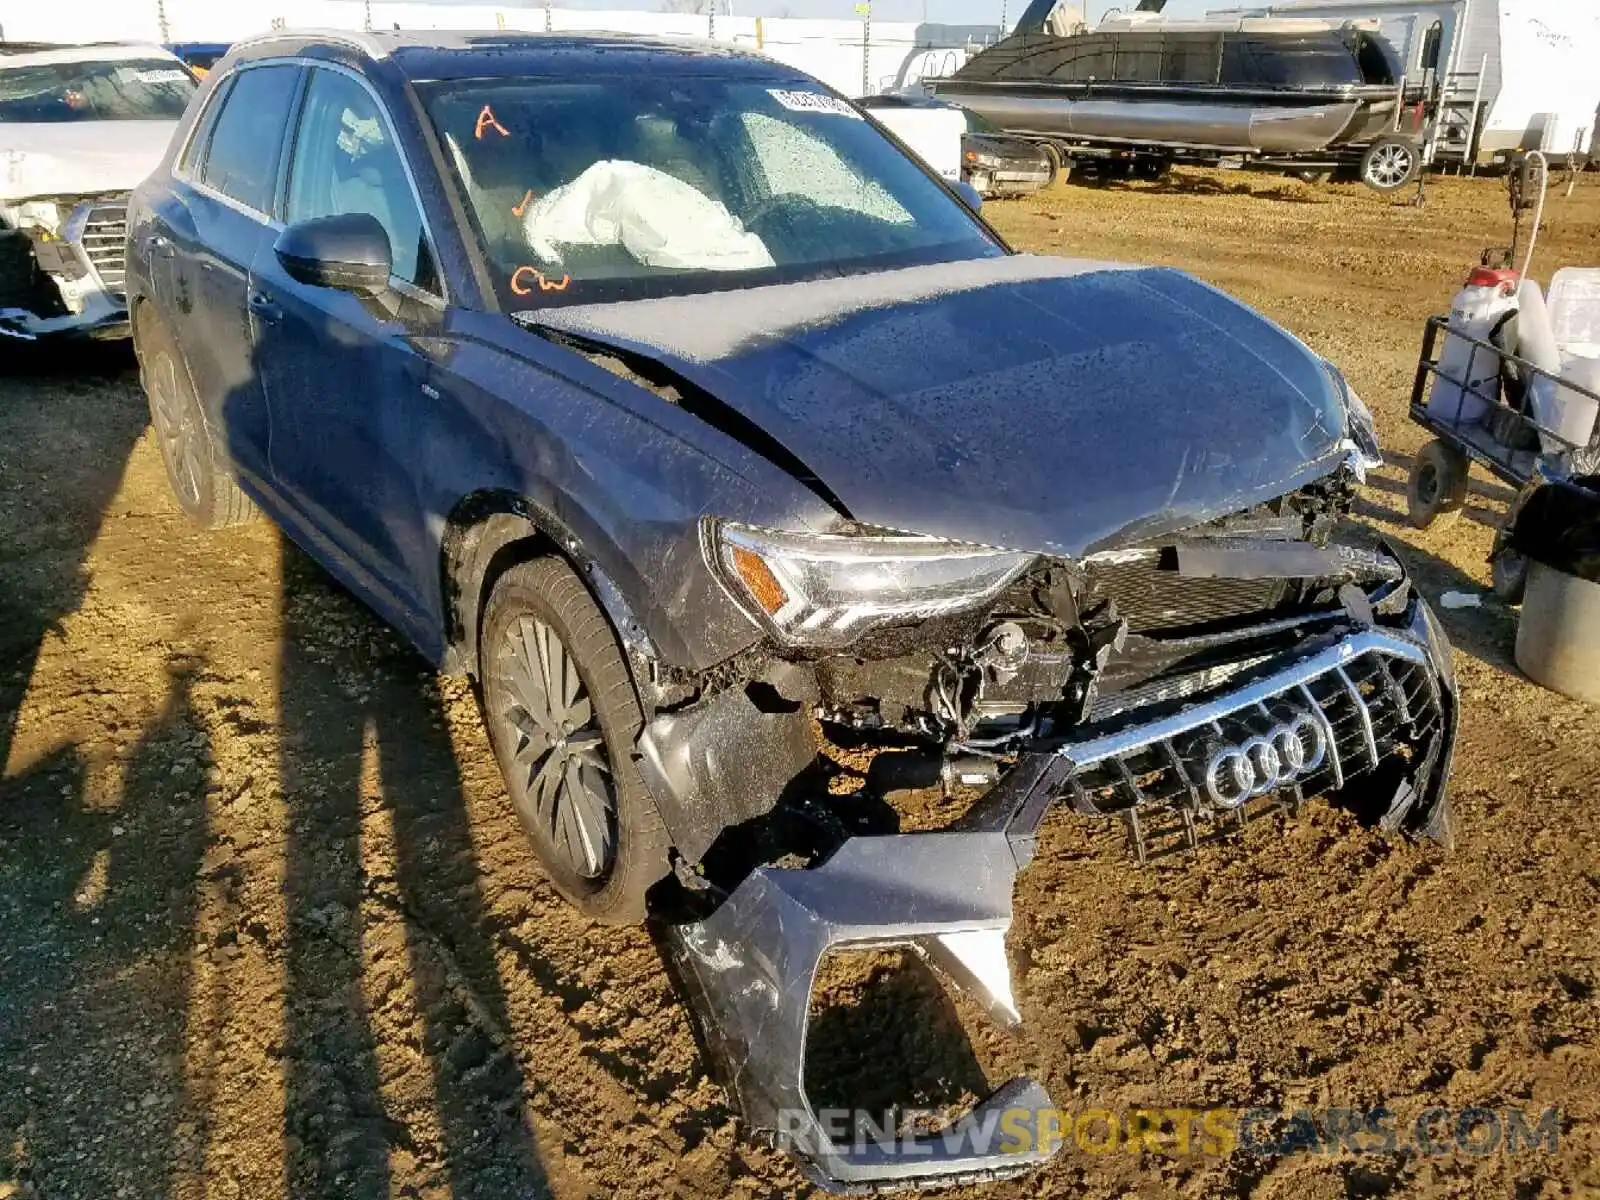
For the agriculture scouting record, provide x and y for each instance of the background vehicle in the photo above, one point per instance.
(612, 371)
(933, 131)
(81, 125)
(1279, 93)
(992, 163)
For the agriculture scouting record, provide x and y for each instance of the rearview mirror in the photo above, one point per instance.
(349, 252)
(969, 194)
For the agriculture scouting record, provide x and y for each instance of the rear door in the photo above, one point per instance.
(345, 377)
(228, 199)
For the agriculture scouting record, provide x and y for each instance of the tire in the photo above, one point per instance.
(201, 482)
(1153, 170)
(1057, 163)
(1509, 572)
(1315, 175)
(591, 822)
(1390, 163)
(1437, 489)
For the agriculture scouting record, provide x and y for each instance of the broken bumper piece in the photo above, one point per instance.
(750, 968)
(1373, 703)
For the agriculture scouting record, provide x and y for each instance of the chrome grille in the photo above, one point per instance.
(1372, 701)
(105, 245)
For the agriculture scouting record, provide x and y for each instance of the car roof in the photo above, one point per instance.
(430, 54)
(13, 54)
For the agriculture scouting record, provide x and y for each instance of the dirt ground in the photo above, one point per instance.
(268, 926)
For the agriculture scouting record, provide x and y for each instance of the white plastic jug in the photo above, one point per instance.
(1563, 415)
(1566, 413)
(1467, 380)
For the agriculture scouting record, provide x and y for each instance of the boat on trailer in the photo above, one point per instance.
(1285, 92)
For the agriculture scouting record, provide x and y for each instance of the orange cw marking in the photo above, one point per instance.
(486, 121)
(522, 207)
(545, 285)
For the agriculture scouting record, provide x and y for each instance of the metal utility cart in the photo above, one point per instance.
(1503, 439)
(1491, 421)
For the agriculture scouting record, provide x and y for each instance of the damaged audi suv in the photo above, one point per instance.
(664, 393)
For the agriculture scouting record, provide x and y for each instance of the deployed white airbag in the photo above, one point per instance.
(661, 221)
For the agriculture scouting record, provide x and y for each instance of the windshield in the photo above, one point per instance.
(612, 188)
(152, 89)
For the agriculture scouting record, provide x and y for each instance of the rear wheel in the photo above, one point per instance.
(1390, 163)
(562, 718)
(1437, 489)
(201, 483)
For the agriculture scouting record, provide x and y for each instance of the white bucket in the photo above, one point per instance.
(1558, 635)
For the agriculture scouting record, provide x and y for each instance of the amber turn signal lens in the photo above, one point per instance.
(758, 577)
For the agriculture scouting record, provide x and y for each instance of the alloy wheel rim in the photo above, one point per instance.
(561, 776)
(177, 428)
(1390, 166)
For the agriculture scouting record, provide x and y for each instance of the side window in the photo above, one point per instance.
(242, 157)
(195, 152)
(345, 161)
(1432, 42)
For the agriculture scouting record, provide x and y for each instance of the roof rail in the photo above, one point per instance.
(365, 43)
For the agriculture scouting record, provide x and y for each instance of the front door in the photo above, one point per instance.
(344, 379)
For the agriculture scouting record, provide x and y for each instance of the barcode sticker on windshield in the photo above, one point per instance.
(814, 102)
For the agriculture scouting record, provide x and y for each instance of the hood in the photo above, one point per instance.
(1032, 403)
(79, 158)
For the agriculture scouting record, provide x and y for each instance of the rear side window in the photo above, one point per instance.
(242, 160)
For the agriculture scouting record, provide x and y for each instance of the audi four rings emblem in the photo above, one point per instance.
(1267, 762)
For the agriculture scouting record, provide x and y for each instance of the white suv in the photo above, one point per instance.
(80, 127)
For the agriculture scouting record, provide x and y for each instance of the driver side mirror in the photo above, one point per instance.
(348, 252)
(970, 195)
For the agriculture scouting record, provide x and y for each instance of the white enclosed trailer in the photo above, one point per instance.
(1513, 74)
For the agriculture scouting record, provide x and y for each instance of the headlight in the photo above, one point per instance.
(1361, 429)
(827, 590)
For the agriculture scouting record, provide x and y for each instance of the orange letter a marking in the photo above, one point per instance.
(486, 121)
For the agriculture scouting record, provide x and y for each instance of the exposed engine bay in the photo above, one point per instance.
(955, 701)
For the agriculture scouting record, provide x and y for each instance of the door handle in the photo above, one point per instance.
(265, 309)
(160, 246)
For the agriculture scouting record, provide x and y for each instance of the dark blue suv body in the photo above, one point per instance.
(661, 390)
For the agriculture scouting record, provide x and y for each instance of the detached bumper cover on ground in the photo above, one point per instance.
(751, 966)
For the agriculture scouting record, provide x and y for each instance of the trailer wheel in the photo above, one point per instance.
(1154, 169)
(1437, 489)
(1390, 163)
(1060, 167)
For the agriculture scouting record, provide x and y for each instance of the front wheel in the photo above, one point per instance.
(562, 718)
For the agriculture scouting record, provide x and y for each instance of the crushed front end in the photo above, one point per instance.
(62, 267)
(1178, 685)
